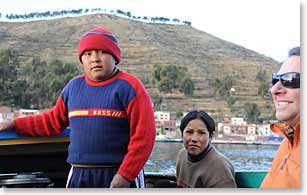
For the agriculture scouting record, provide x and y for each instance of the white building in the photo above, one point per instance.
(227, 130)
(162, 116)
(27, 112)
(251, 129)
(237, 121)
(264, 130)
(6, 114)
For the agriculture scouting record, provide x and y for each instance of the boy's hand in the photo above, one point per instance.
(7, 126)
(119, 182)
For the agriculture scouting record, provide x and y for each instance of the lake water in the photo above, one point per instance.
(242, 156)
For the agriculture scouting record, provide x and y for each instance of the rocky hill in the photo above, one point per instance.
(144, 45)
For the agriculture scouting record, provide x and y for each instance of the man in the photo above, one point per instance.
(285, 170)
(110, 115)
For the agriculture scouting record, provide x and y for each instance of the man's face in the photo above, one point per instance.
(97, 64)
(287, 100)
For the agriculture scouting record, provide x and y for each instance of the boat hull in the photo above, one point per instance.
(46, 156)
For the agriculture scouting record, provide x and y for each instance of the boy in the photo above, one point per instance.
(110, 115)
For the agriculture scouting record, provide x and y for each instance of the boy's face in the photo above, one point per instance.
(97, 64)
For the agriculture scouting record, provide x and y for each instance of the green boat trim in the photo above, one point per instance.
(249, 179)
(244, 179)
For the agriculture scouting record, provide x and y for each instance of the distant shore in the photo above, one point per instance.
(221, 141)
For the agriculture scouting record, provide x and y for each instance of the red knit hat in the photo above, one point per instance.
(99, 38)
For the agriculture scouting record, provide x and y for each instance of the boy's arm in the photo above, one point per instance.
(142, 135)
(50, 123)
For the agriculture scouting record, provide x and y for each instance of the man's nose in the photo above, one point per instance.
(276, 89)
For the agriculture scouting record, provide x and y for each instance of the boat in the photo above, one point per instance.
(28, 156)
(41, 162)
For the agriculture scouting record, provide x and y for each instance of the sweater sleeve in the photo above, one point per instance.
(49, 123)
(142, 135)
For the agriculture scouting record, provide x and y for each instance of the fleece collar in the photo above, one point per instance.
(289, 132)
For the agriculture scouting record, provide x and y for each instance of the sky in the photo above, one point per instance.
(269, 27)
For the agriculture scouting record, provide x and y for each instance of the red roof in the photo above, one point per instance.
(5, 109)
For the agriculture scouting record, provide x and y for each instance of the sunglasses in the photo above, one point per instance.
(288, 80)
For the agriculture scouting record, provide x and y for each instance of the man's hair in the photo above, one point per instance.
(294, 52)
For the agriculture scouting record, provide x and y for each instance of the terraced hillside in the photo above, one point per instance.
(145, 45)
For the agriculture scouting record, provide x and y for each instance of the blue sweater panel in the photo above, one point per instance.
(98, 120)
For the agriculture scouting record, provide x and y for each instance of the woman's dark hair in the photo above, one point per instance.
(198, 114)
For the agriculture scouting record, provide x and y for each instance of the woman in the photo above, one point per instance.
(199, 164)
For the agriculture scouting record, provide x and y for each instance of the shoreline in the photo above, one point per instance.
(222, 141)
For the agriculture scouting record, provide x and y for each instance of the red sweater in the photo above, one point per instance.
(112, 122)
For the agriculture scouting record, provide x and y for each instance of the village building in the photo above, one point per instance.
(164, 125)
(239, 130)
(6, 114)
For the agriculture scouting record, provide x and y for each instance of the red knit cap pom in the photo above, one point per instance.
(99, 38)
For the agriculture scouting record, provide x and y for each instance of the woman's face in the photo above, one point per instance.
(195, 137)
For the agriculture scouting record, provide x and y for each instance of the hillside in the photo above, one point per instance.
(145, 45)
